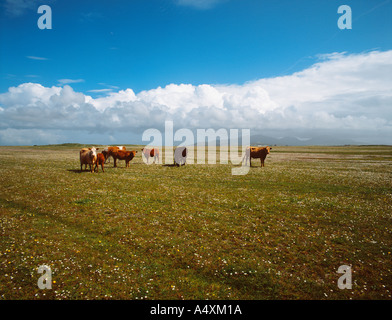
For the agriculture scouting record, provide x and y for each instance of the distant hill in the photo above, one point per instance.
(263, 140)
(320, 140)
(294, 141)
(67, 145)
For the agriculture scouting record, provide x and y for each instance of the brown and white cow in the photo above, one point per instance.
(123, 155)
(107, 151)
(88, 156)
(256, 152)
(153, 153)
(100, 161)
(180, 155)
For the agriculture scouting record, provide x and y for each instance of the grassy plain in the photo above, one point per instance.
(197, 232)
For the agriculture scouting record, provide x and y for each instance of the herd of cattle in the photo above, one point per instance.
(89, 156)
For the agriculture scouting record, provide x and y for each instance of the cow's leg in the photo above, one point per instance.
(102, 167)
(115, 162)
(81, 167)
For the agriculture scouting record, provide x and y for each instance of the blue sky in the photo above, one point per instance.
(103, 47)
(144, 44)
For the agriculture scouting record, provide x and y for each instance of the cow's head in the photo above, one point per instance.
(268, 149)
(131, 154)
(93, 153)
(94, 150)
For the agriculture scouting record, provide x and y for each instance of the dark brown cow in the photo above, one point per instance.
(123, 155)
(180, 155)
(151, 153)
(100, 161)
(107, 151)
(256, 152)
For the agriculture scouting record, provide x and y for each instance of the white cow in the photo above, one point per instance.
(88, 156)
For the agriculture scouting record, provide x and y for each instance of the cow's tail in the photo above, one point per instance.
(243, 158)
(247, 156)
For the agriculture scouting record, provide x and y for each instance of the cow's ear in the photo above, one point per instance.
(89, 148)
(97, 149)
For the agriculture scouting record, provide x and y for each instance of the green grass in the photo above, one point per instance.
(197, 232)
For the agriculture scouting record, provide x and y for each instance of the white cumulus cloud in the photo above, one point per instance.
(341, 94)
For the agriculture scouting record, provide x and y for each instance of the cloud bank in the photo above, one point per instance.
(342, 94)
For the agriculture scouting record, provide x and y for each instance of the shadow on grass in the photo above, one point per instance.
(172, 165)
(77, 170)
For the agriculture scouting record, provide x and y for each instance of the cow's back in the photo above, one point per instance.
(258, 152)
(180, 155)
(121, 154)
(100, 158)
(83, 154)
(87, 156)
